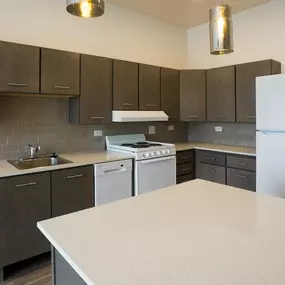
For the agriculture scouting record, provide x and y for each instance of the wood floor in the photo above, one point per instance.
(36, 271)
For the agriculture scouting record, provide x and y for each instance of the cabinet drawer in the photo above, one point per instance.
(211, 173)
(184, 156)
(210, 157)
(240, 162)
(184, 178)
(241, 179)
(185, 168)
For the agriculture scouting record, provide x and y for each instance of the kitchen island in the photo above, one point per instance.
(196, 233)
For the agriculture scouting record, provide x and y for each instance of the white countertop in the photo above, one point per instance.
(196, 233)
(78, 159)
(216, 147)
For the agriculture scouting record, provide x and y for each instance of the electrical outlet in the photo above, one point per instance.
(151, 130)
(98, 133)
(218, 129)
(171, 128)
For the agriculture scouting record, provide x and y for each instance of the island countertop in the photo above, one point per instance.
(196, 233)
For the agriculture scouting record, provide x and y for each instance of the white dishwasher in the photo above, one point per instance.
(113, 181)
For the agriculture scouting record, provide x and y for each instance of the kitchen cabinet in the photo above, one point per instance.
(24, 200)
(193, 95)
(241, 179)
(60, 72)
(221, 94)
(20, 68)
(184, 166)
(125, 85)
(246, 88)
(72, 190)
(149, 87)
(170, 100)
(94, 105)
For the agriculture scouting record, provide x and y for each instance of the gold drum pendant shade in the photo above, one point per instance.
(86, 8)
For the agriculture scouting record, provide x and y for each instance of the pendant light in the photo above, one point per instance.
(221, 30)
(86, 8)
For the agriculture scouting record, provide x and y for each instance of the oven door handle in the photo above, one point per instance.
(157, 160)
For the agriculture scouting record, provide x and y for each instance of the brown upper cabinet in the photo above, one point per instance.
(170, 101)
(20, 68)
(246, 88)
(149, 87)
(94, 105)
(221, 94)
(125, 85)
(60, 72)
(193, 95)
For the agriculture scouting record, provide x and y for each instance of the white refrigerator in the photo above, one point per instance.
(270, 135)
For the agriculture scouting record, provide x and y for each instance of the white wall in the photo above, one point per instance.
(259, 33)
(118, 34)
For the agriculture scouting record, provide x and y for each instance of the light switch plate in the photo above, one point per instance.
(171, 128)
(151, 130)
(98, 133)
(218, 129)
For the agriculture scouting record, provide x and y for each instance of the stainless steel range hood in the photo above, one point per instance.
(139, 116)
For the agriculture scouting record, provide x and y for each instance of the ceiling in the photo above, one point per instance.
(183, 13)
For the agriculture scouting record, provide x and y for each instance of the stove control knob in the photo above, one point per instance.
(152, 154)
(168, 151)
(163, 152)
(147, 155)
(158, 152)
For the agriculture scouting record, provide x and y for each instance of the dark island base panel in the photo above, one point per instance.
(1, 275)
(63, 273)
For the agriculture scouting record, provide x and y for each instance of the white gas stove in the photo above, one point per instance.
(139, 146)
(155, 162)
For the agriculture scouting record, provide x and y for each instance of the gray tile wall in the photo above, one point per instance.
(233, 133)
(44, 121)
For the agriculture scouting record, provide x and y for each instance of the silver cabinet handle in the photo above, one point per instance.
(127, 104)
(193, 117)
(96, 118)
(74, 176)
(17, 84)
(210, 158)
(186, 157)
(210, 170)
(251, 117)
(220, 117)
(26, 184)
(241, 163)
(151, 105)
(242, 176)
(61, 87)
(185, 169)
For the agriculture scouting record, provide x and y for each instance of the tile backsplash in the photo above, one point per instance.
(232, 134)
(44, 121)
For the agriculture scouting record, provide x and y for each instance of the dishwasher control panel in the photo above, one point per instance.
(113, 167)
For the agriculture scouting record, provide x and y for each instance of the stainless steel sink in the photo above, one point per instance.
(23, 164)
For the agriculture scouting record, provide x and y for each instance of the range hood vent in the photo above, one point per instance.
(139, 116)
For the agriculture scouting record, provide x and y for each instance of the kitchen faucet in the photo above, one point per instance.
(33, 150)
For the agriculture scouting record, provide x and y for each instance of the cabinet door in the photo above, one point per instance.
(125, 85)
(170, 101)
(193, 95)
(221, 94)
(246, 89)
(59, 72)
(94, 105)
(241, 179)
(24, 201)
(210, 172)
(72, 190)
(149, 88)
(20, 68)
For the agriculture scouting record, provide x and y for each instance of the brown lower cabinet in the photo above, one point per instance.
(185, 166)
(210, 172)
(241, 179)
(28, 199)
(71, 190)
(24, 200)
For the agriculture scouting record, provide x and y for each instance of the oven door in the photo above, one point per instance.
(153, 174)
